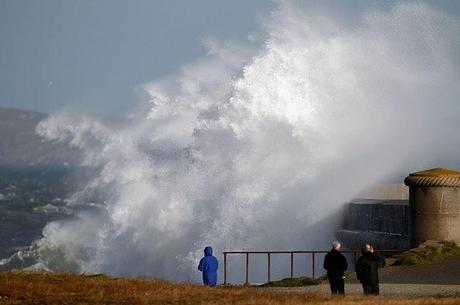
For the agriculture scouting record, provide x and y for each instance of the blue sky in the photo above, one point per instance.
(91, 54)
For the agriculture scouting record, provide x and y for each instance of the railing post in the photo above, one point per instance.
(225, 268)
(313, 265)
(268, 267)
(313, 260)
(247, 268)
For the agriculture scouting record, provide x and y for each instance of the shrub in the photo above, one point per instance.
(410, 259)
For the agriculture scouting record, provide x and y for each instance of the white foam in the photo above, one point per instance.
(256, 148)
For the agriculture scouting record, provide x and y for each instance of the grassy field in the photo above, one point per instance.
(46, 288)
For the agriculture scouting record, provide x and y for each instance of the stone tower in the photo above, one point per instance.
(434, 204)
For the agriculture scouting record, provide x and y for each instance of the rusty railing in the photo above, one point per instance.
(291, 253)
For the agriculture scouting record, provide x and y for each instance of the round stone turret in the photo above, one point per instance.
(434, 204)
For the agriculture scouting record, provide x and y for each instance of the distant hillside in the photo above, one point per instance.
(20, 145)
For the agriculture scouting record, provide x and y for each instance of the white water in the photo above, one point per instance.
(257, 145)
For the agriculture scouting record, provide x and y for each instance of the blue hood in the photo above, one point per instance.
(208, 251)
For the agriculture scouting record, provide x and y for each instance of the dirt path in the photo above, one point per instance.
(413, 290)
(446, 272)
(438, 279)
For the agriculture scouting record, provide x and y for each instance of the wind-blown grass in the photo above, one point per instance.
(62, 289)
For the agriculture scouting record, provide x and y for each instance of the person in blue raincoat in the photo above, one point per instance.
(208, 265)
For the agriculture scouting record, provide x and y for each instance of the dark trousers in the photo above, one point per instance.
(337, 285)
(371, 288)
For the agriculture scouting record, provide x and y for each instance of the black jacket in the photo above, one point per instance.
(335, 263)
(367, 268)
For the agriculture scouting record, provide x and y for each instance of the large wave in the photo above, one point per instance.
(258, 144)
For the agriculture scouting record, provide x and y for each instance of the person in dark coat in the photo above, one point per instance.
(367, 270)
(208, 265)
(336, 264)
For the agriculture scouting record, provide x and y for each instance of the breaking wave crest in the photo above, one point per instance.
(258, 145)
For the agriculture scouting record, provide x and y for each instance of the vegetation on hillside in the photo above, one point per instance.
(53, 289)
(429, 253)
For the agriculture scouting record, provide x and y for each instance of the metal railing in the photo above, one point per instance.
(291, 253)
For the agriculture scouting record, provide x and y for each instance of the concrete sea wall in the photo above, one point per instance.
(383, 223)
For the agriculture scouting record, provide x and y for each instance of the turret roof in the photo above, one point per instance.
(435, 177)
(436, 172)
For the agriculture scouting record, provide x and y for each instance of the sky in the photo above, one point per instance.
(92, 54)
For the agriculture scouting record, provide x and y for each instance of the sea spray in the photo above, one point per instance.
(255, 148)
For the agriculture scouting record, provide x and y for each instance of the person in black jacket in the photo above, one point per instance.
(367, 270)
(336, 264)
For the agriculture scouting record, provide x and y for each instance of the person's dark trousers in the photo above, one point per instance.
(371, 288)
(337, 285)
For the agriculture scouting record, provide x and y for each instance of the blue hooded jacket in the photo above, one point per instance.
(208, 265)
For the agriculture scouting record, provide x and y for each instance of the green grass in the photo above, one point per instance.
(293, 282)
(430, 254)
(302, 281)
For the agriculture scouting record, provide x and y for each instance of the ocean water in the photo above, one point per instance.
(30, 198)
(258, 145)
